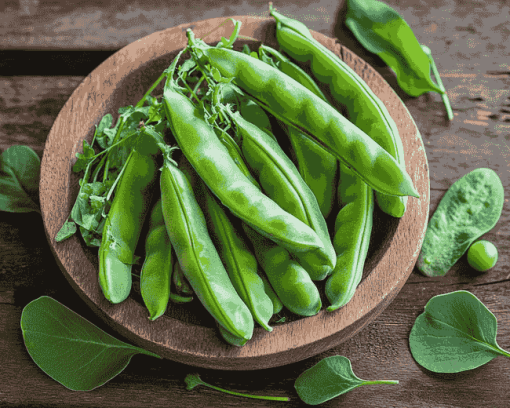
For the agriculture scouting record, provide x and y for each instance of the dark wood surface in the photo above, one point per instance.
(470, 42)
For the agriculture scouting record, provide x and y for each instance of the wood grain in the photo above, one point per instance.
(122, 80)
(469, 40)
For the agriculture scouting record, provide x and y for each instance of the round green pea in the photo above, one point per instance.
(482, 255)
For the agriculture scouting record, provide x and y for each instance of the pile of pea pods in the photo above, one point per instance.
(258, 160)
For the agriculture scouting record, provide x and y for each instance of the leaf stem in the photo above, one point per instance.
(380, 382)
(444, 96)
(192, 380)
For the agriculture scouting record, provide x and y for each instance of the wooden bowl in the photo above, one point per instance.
(186, 333)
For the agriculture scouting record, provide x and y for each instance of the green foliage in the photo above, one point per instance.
(70, 349)
(382, 31)
(138, 127)
(19, 179)
(455, 333)
(329, 378)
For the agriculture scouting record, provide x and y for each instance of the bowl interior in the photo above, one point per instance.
(186, 332)
(384, 226)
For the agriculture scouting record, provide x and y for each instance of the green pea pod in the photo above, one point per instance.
(181, 291)
(230, 338)
(181, 285)
(365, 109)
(240, 263)
(292, 103)
(470, 208)
(236, 155)
(318, 168)
(277, 303)
(200, 262)
(124, 224)
(157, 266)
(382, 31)
(353, 227)
(281, 181)
(294, 71)
(215, 166)
(289, 280)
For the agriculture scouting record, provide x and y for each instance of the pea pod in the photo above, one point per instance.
(353, 227)
(318, 168)
(176, 293)
(277, 303)
(123, 226)
(364, 108)
(157, 266)
(181, 285)
(197, 255)
(215, 166)
(292, 103)
(289, 280)
(470, 208)
(230, 338)
(240, 263)
(281, 181)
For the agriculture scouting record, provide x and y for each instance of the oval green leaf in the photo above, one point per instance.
(382, 31)
(70, 349)
(329, 378)
(455, 333)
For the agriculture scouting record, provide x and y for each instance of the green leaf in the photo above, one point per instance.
(68, 229)
(382, 31)
(19, 180)
(26, 166)
(70, 349)
(455, 333)
(84, 158)
(329, 378)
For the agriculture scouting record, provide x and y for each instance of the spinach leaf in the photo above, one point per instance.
(455, 333)
(382, 31)
(20, 169)
(70, 349)
(329, 378)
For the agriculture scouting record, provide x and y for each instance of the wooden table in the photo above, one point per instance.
(46, 49)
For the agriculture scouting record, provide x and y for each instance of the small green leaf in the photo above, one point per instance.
(455, 333)
(382, 31)
(68, 229)
(329, 378)
(70, 349)
(84, 158)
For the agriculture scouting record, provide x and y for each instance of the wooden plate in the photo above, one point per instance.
(185, 333)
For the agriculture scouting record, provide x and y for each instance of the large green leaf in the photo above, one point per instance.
(455, 333)
(329, 378)
(70, 349)
(382, 31)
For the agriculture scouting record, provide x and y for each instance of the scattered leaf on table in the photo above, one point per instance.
(329, 378)
(455, 333)
(19, 179)
(382, 31)
(70, 349)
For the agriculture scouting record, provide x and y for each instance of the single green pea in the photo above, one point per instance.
(482, 255)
